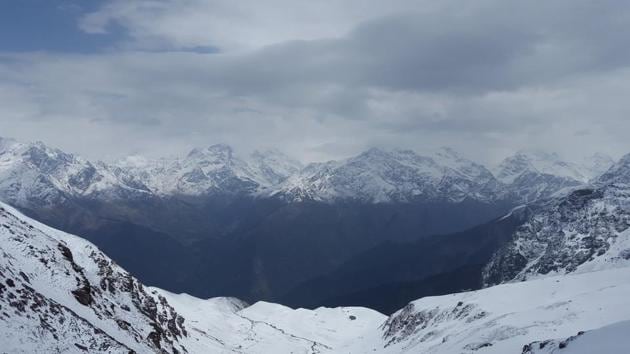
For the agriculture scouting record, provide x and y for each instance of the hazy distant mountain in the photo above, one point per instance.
(536, 175)
(213, 170)
(35, 174)
(381, 176)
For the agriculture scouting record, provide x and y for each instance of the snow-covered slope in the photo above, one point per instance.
(505, 318)
(380, 175)
(585, 230)
(270, 328)
(59, 293)
(608, 339)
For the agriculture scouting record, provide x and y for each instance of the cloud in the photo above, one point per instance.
(234, 25)
(488, 77)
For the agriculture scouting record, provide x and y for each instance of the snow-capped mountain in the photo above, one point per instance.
(565, 272)
(59, 293)
(380, 175)
(596, 164)
(212, 170)
(36, 173)
(618, 174)
(587, 229)
(541, 162)
(534, 175)
(273, 166)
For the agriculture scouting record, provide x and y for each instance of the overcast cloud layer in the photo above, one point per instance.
(325, 79)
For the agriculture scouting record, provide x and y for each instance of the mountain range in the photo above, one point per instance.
(557, 284)
(377, 229)
(37, 172)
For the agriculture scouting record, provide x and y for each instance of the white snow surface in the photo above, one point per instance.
(611, 339)
(504, 318)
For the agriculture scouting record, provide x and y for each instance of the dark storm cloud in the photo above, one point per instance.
(474, 51)
(499, 74)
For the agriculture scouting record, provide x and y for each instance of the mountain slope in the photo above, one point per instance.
(608, 339)
(389, 275)
(63, 290)
(34, 174)
(533, 176)
(213, 170)
(379, 176)
(585, 230)
(58, 293)
(504, 318)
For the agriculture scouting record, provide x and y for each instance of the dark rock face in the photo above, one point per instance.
(565, 234)
(549, 345)
(83, 294)
(104, 294)
(409, 321)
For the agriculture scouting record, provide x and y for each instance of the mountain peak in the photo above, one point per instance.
(216, 151)
(618, 173)
(538, 162)
(538, 154)
(381, 175)
(446, 151)
(376, 152)
(625, 160)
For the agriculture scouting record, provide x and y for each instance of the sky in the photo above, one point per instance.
(318, 80)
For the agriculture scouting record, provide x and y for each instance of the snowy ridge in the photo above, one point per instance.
(535, 175)
(68, 296)
(608, 339)
(505, 318)
(215, 169)
(34, 174)
(39, 174)
(541, 162)
(585, 230)
(380, 175)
